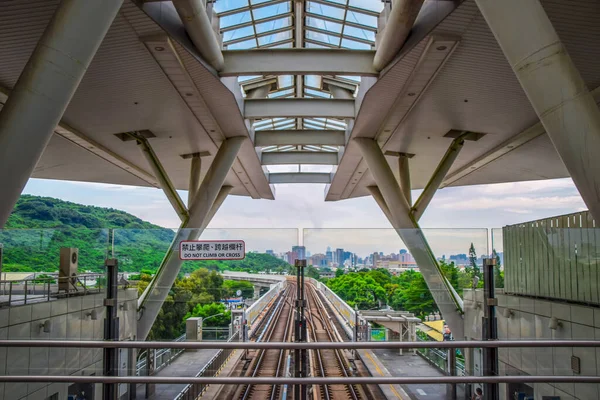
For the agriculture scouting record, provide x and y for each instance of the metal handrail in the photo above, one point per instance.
(372, 380)
(49, 287)
(469, 344)
(159, 354)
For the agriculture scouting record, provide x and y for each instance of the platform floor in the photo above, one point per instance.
(414, 365)
(187, 364)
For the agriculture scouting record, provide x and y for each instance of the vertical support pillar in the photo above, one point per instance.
(554, 86)
(451, 389)
(202, 208)
(300, 364)
(45, 88)
(490, 329)
(194, 184)
(449, 303)
(404, 171)
(111, 330)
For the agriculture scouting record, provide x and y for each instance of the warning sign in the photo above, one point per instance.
(212, 250)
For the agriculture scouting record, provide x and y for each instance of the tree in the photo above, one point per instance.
(211, 310)
(498, 271)
(475, 271)
(231, 288)
(339, 272)
(312, 272)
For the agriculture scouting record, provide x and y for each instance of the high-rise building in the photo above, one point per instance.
(403, 251)
(339, 256)
(270, 252)
(291, 257)
(318, 260)
(329, 256)
(300, 252)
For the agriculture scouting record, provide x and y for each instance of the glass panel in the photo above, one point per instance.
(274, 38)
(323, 38)
(359, 33)
(376, 6)
(271, 25)
(322, 9)
(268, 11)
(238, 33)
(242, 45)
(227, 5)
(351, 44)
(234, 19)
(322, 24)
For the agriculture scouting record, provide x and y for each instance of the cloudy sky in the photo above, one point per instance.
(455, 218)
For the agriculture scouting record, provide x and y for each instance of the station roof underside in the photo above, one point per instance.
(449, 76)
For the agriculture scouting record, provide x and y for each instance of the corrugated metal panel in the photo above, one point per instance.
(553, 258)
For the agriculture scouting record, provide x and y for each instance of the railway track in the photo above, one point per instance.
(328, 363)
(278, 326)
(271, 363)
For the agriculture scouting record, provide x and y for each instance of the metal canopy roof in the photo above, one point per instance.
(148, 75)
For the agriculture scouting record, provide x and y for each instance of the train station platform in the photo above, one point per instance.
(187, 364)
(411, 365)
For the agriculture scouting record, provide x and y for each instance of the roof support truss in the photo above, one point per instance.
(300, 157)
(300, 61)
(297, 137)
(300, 177)
(298, 108)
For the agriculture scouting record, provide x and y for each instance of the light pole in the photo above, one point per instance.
(204, 319)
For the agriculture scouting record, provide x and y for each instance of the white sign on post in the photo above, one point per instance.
(212, 250)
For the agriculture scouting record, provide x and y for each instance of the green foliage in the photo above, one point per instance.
(498, 271)
(40, 226)
(231, 287)
(407, 291)
(339, 272)
(312, 272)
(211, 310)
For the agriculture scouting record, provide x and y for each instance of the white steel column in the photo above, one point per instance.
(402, 17)
(404, 172)
(554, 87)
(195, 171)
(409, 231)
(438, 176)
(211, 189)
(198, 26)
(44, 89)
(162, 177)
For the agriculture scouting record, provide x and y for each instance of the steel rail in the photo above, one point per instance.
(269, 331)
(404, 380)
(469, 344)
(326, 322)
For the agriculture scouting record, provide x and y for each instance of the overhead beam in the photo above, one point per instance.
(298, 61)
(299, 137)
(294, 108)
(506, 147)
(299, 157)
(300, 177)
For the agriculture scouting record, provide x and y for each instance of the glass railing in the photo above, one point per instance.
(546, 285)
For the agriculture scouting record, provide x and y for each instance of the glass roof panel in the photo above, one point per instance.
(271, 25)
(270, 10)
(370, 5)
(277, 37)
(323, 9)
(325, 25)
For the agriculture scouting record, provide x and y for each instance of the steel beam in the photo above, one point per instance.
(438, 176)
(195, 172)
(198, 26)
(404, 174)
(298, 61)
(150, 302)
(45, 88)
(554, 87)
(300, 177)
(292, 108)
(298, 137)
(299, 157)
(400, 21)
(161, 175)
(409, 231)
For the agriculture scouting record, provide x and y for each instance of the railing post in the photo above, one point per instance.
(451, 390)
(25, 288)
(111, 330)
(10, 285)
(490, 329)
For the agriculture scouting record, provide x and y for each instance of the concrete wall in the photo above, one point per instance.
(529, 320)
(71, 320)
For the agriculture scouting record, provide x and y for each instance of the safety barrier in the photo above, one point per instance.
(257, 308)
(342, 308)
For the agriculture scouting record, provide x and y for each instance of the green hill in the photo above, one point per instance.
(40, 226)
